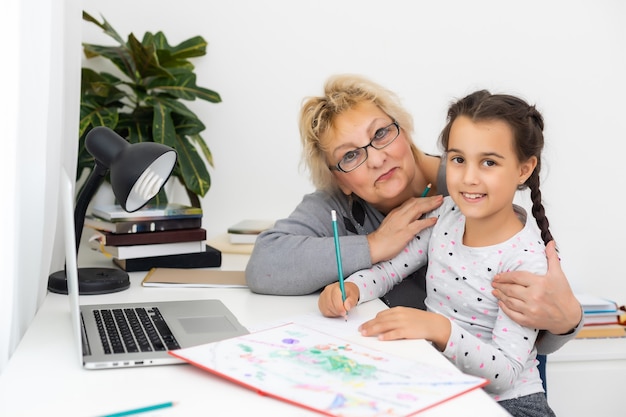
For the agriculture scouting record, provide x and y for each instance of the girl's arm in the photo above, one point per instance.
(501, 361)
(382, 277)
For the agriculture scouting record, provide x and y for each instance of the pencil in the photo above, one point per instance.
(338, 256)
(426, 190)
(141, 410)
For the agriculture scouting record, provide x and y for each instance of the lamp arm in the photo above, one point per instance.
(95, 179)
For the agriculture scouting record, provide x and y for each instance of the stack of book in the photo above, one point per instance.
(167, 236)
(601, 318)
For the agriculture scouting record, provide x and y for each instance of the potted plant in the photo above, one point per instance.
(144, 102)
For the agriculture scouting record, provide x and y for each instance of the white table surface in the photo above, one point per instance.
(45, 378)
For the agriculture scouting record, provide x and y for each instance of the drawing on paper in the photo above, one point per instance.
(325, 373)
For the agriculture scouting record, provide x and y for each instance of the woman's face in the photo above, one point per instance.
(384, 179)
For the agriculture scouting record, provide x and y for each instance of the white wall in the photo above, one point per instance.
(39, 118)
(264, 57)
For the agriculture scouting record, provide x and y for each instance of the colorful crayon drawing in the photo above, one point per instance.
(328, 374)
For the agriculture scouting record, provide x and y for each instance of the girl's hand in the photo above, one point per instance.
(408, 323)
(330, 302)
(400, 226)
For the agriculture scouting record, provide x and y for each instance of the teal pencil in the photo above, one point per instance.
(338, 255)
(141, 410)
(426, 190)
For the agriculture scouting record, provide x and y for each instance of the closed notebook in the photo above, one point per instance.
(177, 277)
(210, 258)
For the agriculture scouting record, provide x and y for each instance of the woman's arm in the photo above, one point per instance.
(297, 256)
(542, 302)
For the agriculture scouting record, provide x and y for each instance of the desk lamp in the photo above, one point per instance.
(138, 172)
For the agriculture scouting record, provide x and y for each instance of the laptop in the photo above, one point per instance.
(137, 334)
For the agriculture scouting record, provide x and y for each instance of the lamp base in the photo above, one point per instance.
(91, 281)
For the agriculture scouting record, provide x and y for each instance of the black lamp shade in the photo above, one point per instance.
(138, 171)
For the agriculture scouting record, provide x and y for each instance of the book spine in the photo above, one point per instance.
(143, 218)
(145, 226)
(241, 238)
(147, 214)
(159, 249)
(211, 257)
(148, 238)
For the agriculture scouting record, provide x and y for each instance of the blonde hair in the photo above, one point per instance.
(341, 93)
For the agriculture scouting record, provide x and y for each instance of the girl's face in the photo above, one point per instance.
(483, 171)
(384, 179)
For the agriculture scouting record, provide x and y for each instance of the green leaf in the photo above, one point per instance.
(187, 126)
(159, 199)
(100, 90)
(137, 131)
(194, 174)
(197, 139)
(163, 126)
(174, 105)
(145, 59)
(97, 116)
(119, 55)
(105, 26)
(184, 86)
(177, 57)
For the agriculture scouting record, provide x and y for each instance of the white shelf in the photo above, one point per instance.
(591, 350)
(585, 377)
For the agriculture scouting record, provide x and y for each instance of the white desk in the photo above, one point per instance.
(44, 377)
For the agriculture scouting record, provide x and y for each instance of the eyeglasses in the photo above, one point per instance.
(355, 158)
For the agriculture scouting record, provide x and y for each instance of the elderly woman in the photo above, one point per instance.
(363, 162)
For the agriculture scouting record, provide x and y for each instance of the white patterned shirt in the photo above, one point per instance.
(484, 341)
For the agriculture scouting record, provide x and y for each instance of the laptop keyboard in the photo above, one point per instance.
(134, 330)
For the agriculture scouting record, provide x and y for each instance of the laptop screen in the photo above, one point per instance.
(71, 263)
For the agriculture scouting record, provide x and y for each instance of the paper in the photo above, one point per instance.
(180, 277)
(336, 326)
(328, 374)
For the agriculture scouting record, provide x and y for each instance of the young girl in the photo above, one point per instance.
(493, 147)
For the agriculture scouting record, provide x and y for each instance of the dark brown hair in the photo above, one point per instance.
(527, 126)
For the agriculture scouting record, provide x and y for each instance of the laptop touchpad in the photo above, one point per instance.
(207, 323)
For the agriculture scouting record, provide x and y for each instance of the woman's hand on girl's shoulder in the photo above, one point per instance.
(540, 301)
(400, 226)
